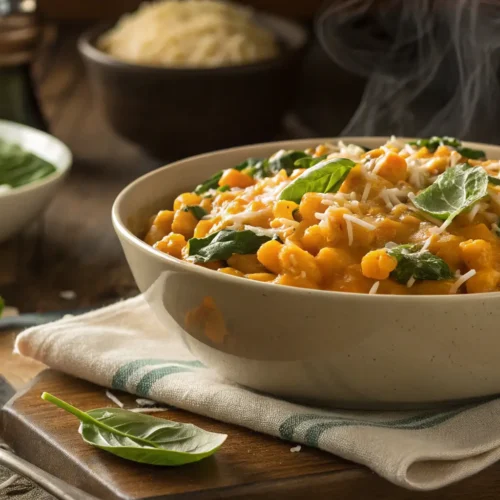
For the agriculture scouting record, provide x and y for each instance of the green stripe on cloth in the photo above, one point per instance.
(124, 373)
(146, 382)
(313, 433)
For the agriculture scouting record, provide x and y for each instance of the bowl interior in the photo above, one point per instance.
(158, 189)
(40, 143)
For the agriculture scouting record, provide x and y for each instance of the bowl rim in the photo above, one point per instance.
(87, 48)
(122, 231)
(61, 168)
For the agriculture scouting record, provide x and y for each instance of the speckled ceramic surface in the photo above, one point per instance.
(22, 205)
(327, 348)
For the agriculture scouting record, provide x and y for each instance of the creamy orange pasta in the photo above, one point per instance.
(403, 218)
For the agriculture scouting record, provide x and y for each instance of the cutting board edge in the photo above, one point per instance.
(11, 424)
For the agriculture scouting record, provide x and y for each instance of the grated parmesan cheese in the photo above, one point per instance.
(366, 192)
(461, 281)
(115, 400)
(350, 235)
(410, 282)
(359, 222)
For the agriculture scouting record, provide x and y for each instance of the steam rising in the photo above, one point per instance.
(432, 66)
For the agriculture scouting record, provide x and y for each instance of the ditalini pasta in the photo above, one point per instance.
(403, 218)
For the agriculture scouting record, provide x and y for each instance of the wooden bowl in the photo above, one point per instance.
(174, 112)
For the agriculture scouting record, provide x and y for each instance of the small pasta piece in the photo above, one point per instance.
(298, 281)
(298, 262)
(268, 255)
(203, 228)
(477, 254)
(332, 261)
(184, 223)
(173, 244)
(392, 167)
(378, 264)
(234, 178)
(314, 239)
(284, 209)
(264, 277)
(231, 271)
(163, 220)
(185, 199)
(247, 264)
(310, 205)
(485, 280)
(154, 235)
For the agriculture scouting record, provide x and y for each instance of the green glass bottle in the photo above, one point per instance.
(19, 35)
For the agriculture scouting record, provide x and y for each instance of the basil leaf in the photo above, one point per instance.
(473, 154)
(325, 177)
(309, 161)
(456, 189)
(213, 182)
(432, 143)
(421, 266)
(222, 244)
(19, 167)
(197, 211)
(494, 180)
(142, 438)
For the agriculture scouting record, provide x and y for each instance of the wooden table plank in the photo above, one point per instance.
(248, 466)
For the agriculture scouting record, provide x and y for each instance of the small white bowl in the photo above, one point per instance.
(326, 348)
(19, 206)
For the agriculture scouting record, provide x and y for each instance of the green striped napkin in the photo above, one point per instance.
(123, 347)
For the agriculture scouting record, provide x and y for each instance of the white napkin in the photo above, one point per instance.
(124, 347)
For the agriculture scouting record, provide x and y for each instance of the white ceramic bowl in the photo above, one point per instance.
(20, 206)
(327, 348)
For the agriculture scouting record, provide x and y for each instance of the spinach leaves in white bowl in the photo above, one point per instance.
(19, 167)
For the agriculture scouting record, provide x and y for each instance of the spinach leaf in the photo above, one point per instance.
(432, 143)
(19, 167)
(142, 438)
(213, 182)
(421, 266)
(309, 161)
(325, 177)
(473, 154)
(222, 244)
(494, 180)
(455, 190)
(197, 211)
(284, 160)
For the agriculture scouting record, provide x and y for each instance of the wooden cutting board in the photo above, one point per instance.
(248, 466)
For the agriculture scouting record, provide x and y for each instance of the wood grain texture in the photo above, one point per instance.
(248, 466)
